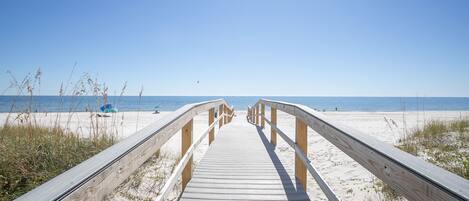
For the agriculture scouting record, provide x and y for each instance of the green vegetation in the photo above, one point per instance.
(31, 155)
(445, 144)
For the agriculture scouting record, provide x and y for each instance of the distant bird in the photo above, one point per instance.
(197, 81)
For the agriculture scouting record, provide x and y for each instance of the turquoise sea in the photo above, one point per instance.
(170, 103)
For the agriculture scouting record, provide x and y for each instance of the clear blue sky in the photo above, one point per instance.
(240, 47)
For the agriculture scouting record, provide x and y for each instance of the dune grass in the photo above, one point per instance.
(445, 144)
(31, 155)
(32, 152)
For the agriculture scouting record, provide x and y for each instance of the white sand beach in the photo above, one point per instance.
(346, 177)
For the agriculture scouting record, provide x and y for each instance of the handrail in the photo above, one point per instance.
(411, 176)
(183, 162)
(99, 175)
(304, 158)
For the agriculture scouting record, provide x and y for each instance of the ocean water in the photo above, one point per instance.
(171, 103)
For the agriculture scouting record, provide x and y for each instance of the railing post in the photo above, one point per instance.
(301, 140)
(211, 119)
(262, 116)
(253, 115)
(225, 110)
(273, 119)
(257, 115)
(220, 118)
(186, 139)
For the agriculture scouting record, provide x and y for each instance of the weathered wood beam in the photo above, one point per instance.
(273, 132)
(262, 114)
(220, 113)
(211, 118)
(186, 142)
(301, 140)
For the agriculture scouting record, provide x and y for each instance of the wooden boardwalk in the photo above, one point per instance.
(241, 165)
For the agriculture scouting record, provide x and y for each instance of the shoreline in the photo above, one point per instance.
(171, 103)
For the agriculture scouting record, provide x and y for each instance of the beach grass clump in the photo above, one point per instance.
(443, 143)
(33, 151)
(31, 155)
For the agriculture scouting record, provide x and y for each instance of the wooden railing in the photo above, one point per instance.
(412, 177)
(96, 177)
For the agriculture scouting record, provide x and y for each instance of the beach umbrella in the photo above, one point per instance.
(108, 108)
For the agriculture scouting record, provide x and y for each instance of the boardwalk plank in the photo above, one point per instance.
(241, 165)
(234, 196)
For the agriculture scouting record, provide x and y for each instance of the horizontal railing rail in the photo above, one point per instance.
(409, 175)
(96, 177)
